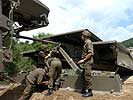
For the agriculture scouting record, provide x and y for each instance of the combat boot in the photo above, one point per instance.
(56, 86)
(87, 93)
(82, 91)
(50, 91)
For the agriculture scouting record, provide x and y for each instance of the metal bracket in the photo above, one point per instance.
(70, 61)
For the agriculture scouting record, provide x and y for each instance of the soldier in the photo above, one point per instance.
(86, 63)
(55, 69)
(41, 62)
(33, 80)
(41, 56)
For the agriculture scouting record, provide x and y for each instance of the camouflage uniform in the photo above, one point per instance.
(55, 69)
(32, 81)
(87, 65)
(41, 58)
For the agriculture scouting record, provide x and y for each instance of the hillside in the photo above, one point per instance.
(128, 43)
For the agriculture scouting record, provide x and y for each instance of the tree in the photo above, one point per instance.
(19, 62)
(128, 43)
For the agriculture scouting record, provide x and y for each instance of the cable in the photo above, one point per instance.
(14, 5)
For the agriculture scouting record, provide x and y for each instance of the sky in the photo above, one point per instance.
(107, 19)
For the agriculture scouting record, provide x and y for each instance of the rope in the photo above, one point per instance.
(14, 5)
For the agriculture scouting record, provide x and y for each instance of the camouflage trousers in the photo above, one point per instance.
(30, 89)
(54, 72)
(27, 91)
(87, 78)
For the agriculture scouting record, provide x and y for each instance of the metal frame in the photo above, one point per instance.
(4, 21)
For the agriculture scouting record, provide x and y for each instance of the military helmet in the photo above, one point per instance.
(54, 53)
(86, 33)
(41, 52)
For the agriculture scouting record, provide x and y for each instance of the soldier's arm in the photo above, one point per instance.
(89, 46)
(40, 78)
(88, 56)
(45, 82)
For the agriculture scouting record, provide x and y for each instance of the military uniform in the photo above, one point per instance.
(32, 81)
(55, 69)
(41, 58)
(87, 65)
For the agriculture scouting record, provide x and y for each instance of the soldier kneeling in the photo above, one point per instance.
(37, 77)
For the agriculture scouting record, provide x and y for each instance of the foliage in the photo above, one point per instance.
(128, 43)
(21, 63)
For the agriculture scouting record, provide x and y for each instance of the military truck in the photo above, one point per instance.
(113, 63)
(131, 50)
(17, 16)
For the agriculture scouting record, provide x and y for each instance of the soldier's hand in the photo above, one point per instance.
(47, 56)
(81, 61)
(45, 83)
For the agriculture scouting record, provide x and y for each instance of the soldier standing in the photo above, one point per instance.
(55, 69)
(86, 63)
(33, 80)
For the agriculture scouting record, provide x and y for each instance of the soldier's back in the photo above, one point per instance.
(32, 77)
(54, 61)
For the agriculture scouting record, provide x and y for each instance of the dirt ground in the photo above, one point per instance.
(67, 94)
